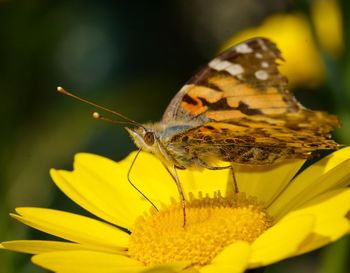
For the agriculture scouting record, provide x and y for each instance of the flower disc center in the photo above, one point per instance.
(211, 225)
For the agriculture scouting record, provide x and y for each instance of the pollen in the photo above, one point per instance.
(212, 223)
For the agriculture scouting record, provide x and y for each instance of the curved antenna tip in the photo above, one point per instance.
(96, 115)
(62, 90)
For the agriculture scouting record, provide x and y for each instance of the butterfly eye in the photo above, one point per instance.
(149, 138)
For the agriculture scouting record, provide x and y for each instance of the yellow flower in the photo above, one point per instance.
(293, 35)
(276, 215)
(329, 32)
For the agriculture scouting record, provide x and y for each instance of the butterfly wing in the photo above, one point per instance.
(242, 81)
(255, 141)
(241, 111)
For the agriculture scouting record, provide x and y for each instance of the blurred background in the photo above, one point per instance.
(133, 56)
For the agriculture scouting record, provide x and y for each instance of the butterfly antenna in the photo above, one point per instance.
(65, 92)
(97, 115)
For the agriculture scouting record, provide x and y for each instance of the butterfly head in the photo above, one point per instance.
(144, 138)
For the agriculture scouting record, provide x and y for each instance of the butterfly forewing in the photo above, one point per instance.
(242, 81)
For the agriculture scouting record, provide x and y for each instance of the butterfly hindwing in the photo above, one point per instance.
(253, 142)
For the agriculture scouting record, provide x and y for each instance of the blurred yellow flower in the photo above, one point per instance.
(293, 35)
(275, 216)
(327, 19)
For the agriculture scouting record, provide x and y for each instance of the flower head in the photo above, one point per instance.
(275, 215)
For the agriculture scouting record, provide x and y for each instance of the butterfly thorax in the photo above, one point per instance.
(156, 138)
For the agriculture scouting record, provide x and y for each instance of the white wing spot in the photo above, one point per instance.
(219, 65)
(258, 55)
(235, 69)
(261, 75)
(262, 44)
(243, 48)
(265, 64)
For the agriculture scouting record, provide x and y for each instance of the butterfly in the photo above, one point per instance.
(237, 109)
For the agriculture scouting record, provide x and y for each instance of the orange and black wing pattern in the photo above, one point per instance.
(256, 141)
(242, 111)
(242, 81)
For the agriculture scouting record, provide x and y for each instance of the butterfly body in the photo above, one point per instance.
(237, 109)
(161, 144)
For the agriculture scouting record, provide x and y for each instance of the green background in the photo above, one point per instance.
(131, 56)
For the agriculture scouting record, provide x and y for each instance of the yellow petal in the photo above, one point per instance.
(37, 246)
(150, 177)
(205, 181)
(329, 173)
(86, 262)
(233, 259)
(99, 185)
(73, 227)
(331, 223)
(266, 182)
(190, 270)
(281, 241)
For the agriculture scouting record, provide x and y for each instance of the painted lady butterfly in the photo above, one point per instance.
(237, 109)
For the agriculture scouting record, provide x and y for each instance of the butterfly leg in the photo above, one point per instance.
(133, 185)
(175, 177)
(182, 196)
(235, 184)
